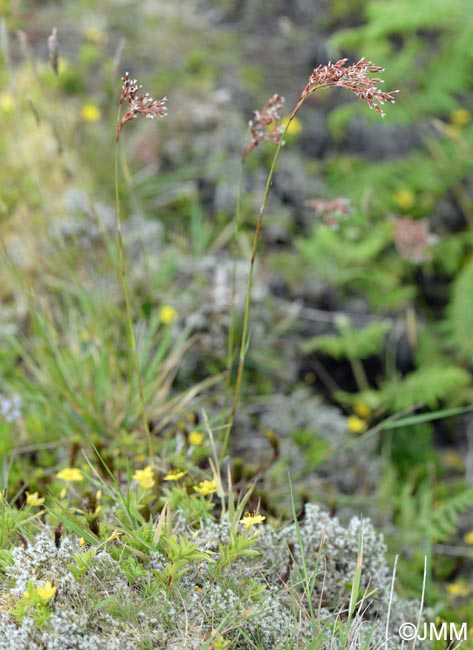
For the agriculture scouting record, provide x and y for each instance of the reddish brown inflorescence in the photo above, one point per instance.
(413, 238)
(264, 127)
(352, 77)
(331, 211)
(138, 104)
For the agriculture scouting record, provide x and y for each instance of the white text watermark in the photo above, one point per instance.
(434, 632)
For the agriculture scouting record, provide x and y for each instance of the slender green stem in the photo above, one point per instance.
(131, 332)
(246, 317)
(231, 334)
(359, 374)
(231, 330)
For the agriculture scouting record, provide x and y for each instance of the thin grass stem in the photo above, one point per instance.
(246, 317)
(126, 293)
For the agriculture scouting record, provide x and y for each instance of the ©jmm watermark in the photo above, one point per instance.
(432, 632)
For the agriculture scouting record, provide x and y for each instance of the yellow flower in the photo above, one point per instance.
(405, 198)
(70, 474)
(90, 113)
(95, 35)
(168, 314)
(310, 377)
(82, 542)
(460, 117)
(458, 589)
(26, 595)
(46, 592)
(7, 102)
(453, 460)
(295, 127)
(356, 424)
(145, 477)
(114, 535)
(196, 438)
(34, 499)
(362, 409)
(206, 487)
(174, 475)
(468, 537)
(250, 519)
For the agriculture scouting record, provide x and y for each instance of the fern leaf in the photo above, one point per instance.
(461, 313)
(426, 385)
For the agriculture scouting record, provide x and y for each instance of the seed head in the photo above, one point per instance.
(331, 211)
(138, 104)
(352, 77)
(264, 127)
(53, 51)
(412, 239)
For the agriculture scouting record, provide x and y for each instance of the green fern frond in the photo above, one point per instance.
(444, 520)
(426, 385)
(460, 320)
(351, 343)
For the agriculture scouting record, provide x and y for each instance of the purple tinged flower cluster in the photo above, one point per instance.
(353, 77)
(138, 104)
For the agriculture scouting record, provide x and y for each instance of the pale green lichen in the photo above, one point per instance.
(256, 602)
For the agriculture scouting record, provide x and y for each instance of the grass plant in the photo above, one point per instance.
(124, 519)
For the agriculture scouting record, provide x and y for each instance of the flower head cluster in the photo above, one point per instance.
(138, 104)
(53, 51)
(264, 127)
(353, 77)
(412, 239)
(331, 211)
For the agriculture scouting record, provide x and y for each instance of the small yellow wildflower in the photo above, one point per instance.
(82, 542)
(33, 499)
(404, 198)
(174, 475)
(144, 477)
(250, 519)
(47, 592)
(114, 535)
(460, 117)
(168, 314)
(356, 424)
(98, 495)
(458, 589)
(196, 438)
(141, 458)
(90, 113)
(468, 537)
(95, 35)
(7, 103)
(26, 595)
(453, 460)
(295, 127)
(70, 474)
(362, 409)
(206, 487)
